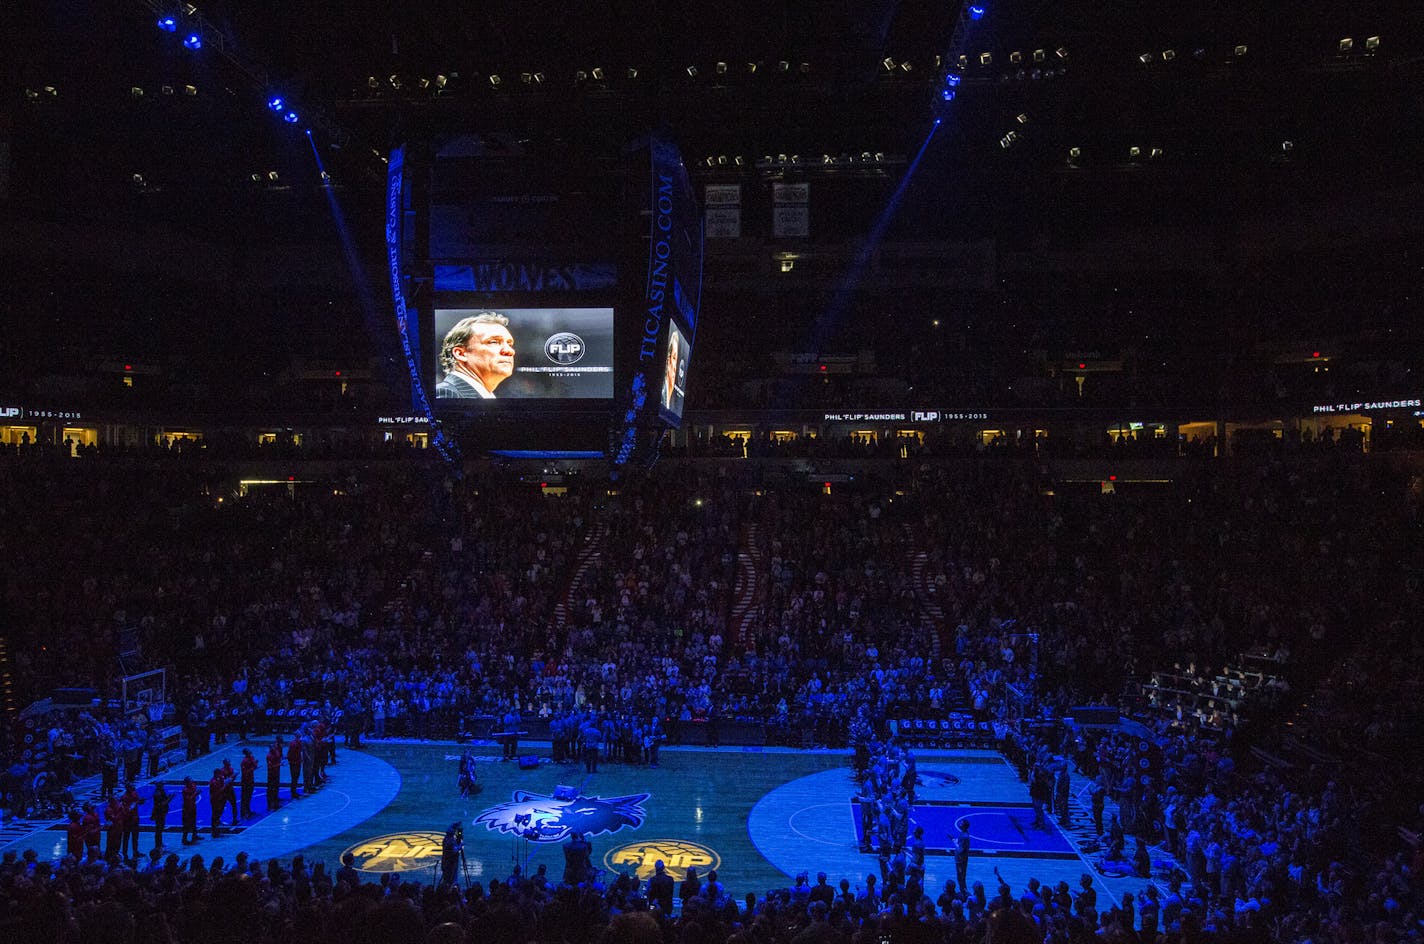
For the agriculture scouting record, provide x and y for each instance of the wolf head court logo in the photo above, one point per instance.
(540, 817)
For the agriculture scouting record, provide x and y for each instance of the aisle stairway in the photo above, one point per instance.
(584, 563)
(748, 595)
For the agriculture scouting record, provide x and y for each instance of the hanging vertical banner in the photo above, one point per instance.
(673, 291)
(790, 209)
(410, 345)
(724, 210)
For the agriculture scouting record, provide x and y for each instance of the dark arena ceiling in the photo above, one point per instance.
(1258, 152)
(1226, 102)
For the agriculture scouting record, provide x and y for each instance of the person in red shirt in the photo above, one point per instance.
(90, 821)
(190, 811)
(217, 788)
(113, 826)
(249, 781)
(294, 764)
(128, 842)
(274, 774)
(229, 796)
(74, 834)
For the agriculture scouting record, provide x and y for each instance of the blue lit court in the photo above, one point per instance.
(758, 816)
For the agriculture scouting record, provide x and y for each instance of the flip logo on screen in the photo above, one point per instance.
(564, 348)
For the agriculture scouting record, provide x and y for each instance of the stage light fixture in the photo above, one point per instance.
(632, 72)
(888, 63)
(189, 9)
(1154, 153)
(440, 81)
(710, 161)
(135, 92)
(721, 68)
(598, 73)
(168, 24)
(751, 68)
(372, 82)
(1240, 50)
(906, 66)
(580, 75)
(784, 66)
(190, 90)
(166, 89)
(1074, 153)
(290, 118)
(1016, 57)
(986, 59)
(1021, 118)
(947, 95)
(1372, 44)
(495, 81)
(138, 180)
(1347, 44)
(1168, 55)
(423, 83)
(1061, 53)
(963, 62)
(1287, 146)
(395, 81)
(952, 79)
(976, 13)
(275, 104)
(325, 176)
(692, 72)
(804, 68)
(272, 175)
(1039, 55)
(193, 41)
(1145, 58)
(721, 160)
(1134, 152)
(739, 160)
(538, 78)
(256, 178)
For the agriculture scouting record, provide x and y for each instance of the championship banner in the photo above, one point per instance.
(724, 210)
(791, 210)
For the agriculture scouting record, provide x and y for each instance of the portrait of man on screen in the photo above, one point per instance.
(476, 356)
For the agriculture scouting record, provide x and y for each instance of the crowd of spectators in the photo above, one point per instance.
(413, 599)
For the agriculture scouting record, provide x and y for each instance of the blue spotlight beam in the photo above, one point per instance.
(835, 312)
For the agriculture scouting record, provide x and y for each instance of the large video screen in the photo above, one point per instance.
(677, 352)
(523, 354)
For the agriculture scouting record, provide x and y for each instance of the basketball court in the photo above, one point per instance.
(757, 815)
